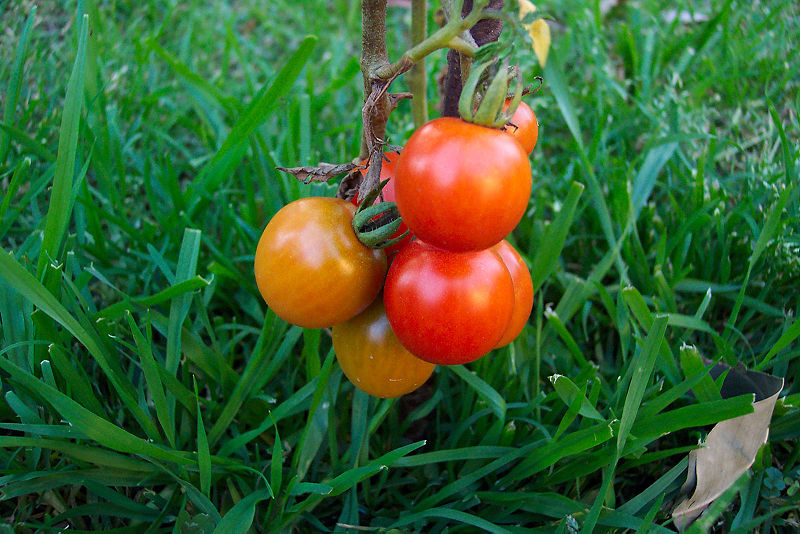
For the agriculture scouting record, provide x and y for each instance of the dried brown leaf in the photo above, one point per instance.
(321, 173)
(731, 446)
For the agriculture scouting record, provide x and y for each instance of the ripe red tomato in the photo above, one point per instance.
(526, 127)
(311, 269)
(373, 359)
(523, 291)
(448, 307)
(388, 173)
(461, 186)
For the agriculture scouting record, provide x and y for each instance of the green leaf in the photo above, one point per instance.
(179, 306)
(203, 454)
(455, 515)
(692, 363)
(253, 373)
(707, 413)
(14, 85)
(94, 427)
(68, 367)
(60, 209)
(546, 259)
(30, 288)
(642, 365)
(784, 341)
(487, 392)
(645, 179)
(481, 452)
(235, 145)
(568, 392)
(152, 377)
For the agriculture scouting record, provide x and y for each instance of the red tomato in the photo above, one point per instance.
(461, 186)
(448, 307)
(311, 269)
(373, 359)
(523, 291)
(388, 173)
(526, 127)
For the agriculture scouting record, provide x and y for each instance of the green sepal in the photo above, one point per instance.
(375, 225)
(467, 99)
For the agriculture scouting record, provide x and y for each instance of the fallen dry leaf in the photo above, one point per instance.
(731, 446)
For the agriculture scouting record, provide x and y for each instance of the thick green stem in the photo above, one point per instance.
(417, 81)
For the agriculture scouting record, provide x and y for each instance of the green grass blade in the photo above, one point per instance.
(455, 515)
(546, 258)
(643, 364)
(20, 174)
(152, 377)
(481, 452)
(14, 84)
(252, 374)
(311, 439)
(692, 363)
(203, 454)
(31, 289)
(784, 341)
(645, 179)
(568, 392)
(179, 307)
(707, 413)
(60, 209)
(103, 432)
(654, 490)
(77, 380)
(492, 397)
(81, 452)
(118, 309)
(240, 517)
(235, 145)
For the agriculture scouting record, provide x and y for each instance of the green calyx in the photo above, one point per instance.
(376, 224)
(487, 108)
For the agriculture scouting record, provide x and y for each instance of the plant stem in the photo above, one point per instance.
(440, 39)
(373, 58)
(417, 80)
(486, 29)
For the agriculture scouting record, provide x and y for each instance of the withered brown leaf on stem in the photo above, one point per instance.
(321, 173)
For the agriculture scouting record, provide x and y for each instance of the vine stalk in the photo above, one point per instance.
(417, 79)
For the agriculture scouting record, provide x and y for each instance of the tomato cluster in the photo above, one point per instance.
(451, 295)
(460, 290)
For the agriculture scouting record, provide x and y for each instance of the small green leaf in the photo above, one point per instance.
(495, 400)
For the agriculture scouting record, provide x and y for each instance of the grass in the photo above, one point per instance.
(147, 388)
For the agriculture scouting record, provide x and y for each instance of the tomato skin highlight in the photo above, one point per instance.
(526, 127)
(311, 269)
(447, 307)
(523, 291)
(373, 359)
(388, 173)
(460, 186)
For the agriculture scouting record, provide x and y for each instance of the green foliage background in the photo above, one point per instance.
(146, 388)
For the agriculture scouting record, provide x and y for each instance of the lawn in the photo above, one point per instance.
(146, 387)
